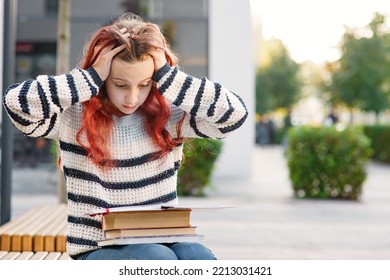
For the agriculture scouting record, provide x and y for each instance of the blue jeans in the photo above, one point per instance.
(172, 251)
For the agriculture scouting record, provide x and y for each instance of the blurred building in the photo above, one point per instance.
(212, 37)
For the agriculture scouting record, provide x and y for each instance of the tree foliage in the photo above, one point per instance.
(277, 83)
(360, 78)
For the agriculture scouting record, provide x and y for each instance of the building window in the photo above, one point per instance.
(52, 7)
(33, 59)
(178, 19)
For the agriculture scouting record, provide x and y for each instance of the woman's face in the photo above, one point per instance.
(128, 84)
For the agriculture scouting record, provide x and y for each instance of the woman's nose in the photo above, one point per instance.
(132, 97)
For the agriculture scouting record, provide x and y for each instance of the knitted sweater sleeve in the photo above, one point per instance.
(35, 106)
(213, 111)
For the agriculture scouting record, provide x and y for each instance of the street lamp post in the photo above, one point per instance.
(9, 34)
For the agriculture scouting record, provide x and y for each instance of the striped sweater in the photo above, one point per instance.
(50, 106)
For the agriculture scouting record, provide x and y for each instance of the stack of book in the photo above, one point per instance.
(147, 224)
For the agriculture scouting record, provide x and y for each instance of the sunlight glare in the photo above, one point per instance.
(312, 29)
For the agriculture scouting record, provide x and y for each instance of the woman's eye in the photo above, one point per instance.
(121, 85)
(144, 85)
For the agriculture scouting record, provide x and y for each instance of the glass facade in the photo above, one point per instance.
(33, 59)
(51, 7)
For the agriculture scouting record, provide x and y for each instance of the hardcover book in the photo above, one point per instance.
(147, 219)
(115, 233)
(151, 239)
(155, 223)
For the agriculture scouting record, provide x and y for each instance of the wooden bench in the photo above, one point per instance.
(40, 230)
(33, 256)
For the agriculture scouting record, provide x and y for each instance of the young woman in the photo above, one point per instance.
(120, 120)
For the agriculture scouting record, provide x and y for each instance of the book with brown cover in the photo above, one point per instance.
(163, 218)
(115, 233)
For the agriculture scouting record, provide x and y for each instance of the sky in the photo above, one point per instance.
(312, 29)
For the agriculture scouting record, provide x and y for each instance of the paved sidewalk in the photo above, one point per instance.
(268, 223)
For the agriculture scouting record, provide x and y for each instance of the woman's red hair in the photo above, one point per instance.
(97, 118)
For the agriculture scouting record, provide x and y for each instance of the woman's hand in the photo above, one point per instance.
(102, 64)
(158, 55)
(157, 52)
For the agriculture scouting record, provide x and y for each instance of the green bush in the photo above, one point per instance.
(197, 167)
(379, 136)
(326, 163)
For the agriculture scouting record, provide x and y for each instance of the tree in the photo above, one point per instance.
(360, 78)
(277, 83)
(62, 66)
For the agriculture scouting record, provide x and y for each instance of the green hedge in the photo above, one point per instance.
(379, 136)
(197, 167)
(326, 163)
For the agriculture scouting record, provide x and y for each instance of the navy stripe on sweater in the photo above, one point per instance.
(233, 127)
(195, 128)
(72, 148)
(168, 82)
(53, 121)
(37, 126)
(238, 123)
(68, 147)
(241, 101)
(11, 87)
(81, 241)
(84, 221)
(42, 122)
(198, 98)
(53, 92)
(211, 110)
(73, 89)
(103, 204)
(78, 174)
(23, 96)
(16, 117)
(161, 72)
(44, 102)
(95, 76)
(186, 85)
(91, 87)
(227, 114)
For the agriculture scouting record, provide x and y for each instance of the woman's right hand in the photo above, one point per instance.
(102, 64)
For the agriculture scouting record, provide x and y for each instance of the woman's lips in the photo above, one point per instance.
(128, 106)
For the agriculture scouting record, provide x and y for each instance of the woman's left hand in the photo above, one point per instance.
(124, 34)
(158, 55)
(157, 52)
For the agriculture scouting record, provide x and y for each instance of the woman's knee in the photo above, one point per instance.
(150, 252)
(192, 251)
(132, 252)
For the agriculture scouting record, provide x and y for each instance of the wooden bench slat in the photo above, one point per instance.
(17, 231)
(61, 240)
(39, 256)
(65, 257)
(20, 219)
(10, 256)
(36, 235)
(43, 222)
(34, 256)
(25, 256)
(51, 232)
(7, 229)
(39, 238)
(53, 256)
